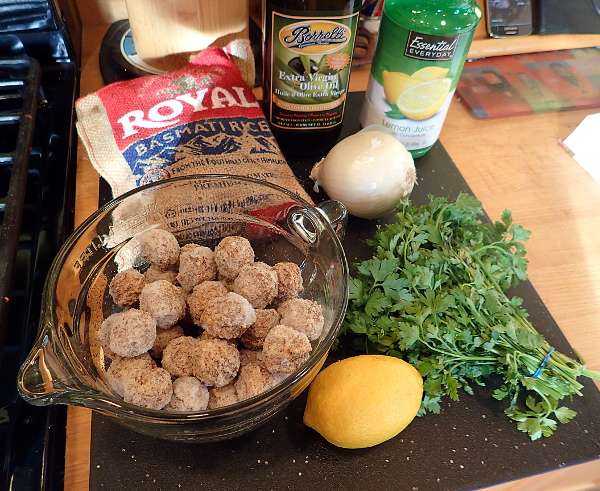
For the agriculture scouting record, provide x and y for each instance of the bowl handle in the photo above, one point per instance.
(44, 378)
(337, 215)
(307, 228)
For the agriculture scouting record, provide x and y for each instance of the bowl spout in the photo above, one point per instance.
(45, 378)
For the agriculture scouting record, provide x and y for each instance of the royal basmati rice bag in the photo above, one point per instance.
(202, 119)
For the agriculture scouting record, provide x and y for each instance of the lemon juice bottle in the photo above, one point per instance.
(420, 53)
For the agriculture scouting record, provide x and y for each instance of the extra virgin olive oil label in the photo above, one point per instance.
(311, 59)
(413, 78)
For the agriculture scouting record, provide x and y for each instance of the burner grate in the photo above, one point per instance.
(40, 43)
(19, 87)
(37, 171)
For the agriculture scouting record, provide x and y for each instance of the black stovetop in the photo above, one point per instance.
(38, 84)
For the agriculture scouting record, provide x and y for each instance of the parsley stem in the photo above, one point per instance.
(492, 246)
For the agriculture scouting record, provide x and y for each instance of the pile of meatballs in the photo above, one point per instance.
(202, 328)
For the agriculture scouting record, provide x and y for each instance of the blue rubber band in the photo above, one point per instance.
(543, 364)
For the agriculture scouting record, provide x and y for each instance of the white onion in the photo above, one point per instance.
(368, 172)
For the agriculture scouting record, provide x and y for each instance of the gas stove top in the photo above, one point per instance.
(38, 85)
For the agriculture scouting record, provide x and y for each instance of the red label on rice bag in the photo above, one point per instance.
(209, 87)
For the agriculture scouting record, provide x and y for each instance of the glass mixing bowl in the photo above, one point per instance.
(67, 364)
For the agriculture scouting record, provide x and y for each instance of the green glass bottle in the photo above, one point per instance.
(420, 53)
(307, 57)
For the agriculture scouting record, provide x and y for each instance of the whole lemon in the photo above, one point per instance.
(364, 400)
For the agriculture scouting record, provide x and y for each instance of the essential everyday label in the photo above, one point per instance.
(413, 78)
(424, 47)
(311, 60)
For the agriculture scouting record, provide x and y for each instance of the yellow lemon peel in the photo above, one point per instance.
(364, 400)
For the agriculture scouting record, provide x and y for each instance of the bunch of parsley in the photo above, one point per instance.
(434, 294)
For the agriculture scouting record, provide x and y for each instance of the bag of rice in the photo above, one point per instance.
(202, 119)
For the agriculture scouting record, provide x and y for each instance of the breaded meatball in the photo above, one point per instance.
(231, 254)
(222, 396)
(164, 301)
(153, 274)
(254, 379)
(120, 368)
(179, 356)
(254, 336)
(188, 247)
(217, 362)
(201, 294)
(189, 394)
(285, 349)
(228, 316)
(248, 356)
(131, 332)
(148, 388)
(103, 333)
(163, 338)
(257, 283)
(225, 293)
(196, 265)
(125, 287)
(160, 248)
(289, 279)
(303, 315)
(205, 335)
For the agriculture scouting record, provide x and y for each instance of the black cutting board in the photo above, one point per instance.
(470, 445)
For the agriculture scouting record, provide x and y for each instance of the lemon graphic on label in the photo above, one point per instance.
(430, 73)
(394, 83)
(421, 101)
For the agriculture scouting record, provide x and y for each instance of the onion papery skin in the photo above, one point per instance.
(368, 172)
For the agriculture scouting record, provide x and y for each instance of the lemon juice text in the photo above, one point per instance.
(420, 54)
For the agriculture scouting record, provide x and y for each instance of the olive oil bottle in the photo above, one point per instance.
(307, 57)
(421, 49)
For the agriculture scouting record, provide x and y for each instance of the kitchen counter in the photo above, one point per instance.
(515, 163)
